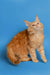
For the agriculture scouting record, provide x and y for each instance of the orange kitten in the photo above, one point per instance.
(26, 42)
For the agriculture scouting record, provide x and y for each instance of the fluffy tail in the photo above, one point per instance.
(13, 58)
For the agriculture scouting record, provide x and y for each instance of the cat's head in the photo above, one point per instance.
(35, 25)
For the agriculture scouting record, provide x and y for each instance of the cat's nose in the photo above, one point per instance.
(36, 25)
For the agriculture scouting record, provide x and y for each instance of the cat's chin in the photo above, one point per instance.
(36, 29)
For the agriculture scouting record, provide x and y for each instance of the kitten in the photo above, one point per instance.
(26, 42)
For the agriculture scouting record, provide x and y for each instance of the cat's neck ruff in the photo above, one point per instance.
(34, 33)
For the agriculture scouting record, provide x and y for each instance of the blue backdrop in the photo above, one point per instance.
(12, 14)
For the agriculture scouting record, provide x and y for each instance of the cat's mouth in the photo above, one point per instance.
(37, 27)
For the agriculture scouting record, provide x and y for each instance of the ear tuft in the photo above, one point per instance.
(27, 23)
(36, 19)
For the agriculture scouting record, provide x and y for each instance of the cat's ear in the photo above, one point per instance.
(27, 23)
(37, 19)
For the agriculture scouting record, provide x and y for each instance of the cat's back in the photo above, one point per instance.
(19, 39)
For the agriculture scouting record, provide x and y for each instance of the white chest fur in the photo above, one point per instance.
(36, 39)
(38, 35)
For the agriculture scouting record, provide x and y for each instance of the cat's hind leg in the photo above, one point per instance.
(12, 57)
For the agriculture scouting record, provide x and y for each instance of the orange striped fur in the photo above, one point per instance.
(26, 42)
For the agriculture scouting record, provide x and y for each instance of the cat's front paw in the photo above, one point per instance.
(35, 60)
(45, 60)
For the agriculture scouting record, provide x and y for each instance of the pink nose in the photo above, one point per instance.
(36, 25)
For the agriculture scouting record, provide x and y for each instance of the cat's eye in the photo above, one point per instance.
(37, 23)
(33, 25)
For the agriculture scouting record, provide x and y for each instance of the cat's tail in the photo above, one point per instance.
(15, 59)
